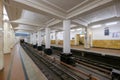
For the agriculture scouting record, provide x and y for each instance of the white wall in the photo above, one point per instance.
(98, 33)
(9, 37)
(60, 34)
(73, 33)
(52, 36)
(27, 39)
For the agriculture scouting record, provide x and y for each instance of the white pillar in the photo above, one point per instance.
(66, 36)
(39, 38)
(34, 39)
(47, 38)
(56, 41)
(31, 38)
(87, 38)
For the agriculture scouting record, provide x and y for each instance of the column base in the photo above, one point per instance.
(67, 58)
(115, 74)
(40, 48)
(48, 51)
(34, 46)
(87, 48)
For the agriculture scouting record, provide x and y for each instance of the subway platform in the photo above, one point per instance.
(103, 51)
(19, 66)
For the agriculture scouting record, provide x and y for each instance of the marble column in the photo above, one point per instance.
(87, 38)
(47, 50)
(66, 36)
(39, 40)
(66, 55)
(34, 40)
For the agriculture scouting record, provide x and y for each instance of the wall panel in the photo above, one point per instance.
(113, 44)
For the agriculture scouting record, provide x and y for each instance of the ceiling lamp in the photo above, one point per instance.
(72, 30)
(96, 26)
(1, 29)
(79, 29)
(111, 23)
(73, 25)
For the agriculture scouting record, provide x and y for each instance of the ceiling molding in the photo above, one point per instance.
(77, 6)
(39, 7)
(105, 21)
(80, 22)
(56, 14)
(88, 7)
(29, 31)
(53, 19)
(117, 7)
(26, 23)
(25, 29)
(57, 21)
(55, 6)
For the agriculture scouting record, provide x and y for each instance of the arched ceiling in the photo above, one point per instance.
(33, 15)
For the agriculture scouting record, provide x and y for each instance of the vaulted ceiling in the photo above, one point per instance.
(33, 15)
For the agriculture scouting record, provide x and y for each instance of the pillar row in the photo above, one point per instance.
(47, 50)
(34, 40)
(39, 41)
(66, 36)
(87, 38)
(47, 38)
(31, 38)
(39, 38)
(66, 56)
(56, 41)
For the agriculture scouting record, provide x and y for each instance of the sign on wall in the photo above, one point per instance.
(106, 31)
(116, 35)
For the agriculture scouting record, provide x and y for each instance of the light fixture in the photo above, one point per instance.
(96, 26)
(111, 23)
(79, 29)
(73, 25)
(72, 30)
(1, 29)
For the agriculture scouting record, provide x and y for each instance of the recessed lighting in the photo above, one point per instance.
(79, 29)
(96, 26)
(73, 25)
(111, 23)
(72, 30)
(1, 29)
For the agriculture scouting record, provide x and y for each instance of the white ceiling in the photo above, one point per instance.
(26, 27)
(31, 15)
(99, 15)
(63, 4)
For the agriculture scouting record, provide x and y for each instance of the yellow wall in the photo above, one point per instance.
(77, 39)
(114, 44)
(72, 42)
(53, 41)
(60, 42)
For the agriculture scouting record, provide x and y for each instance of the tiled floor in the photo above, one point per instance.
(4, 72)
(97, 50)
(13, 66)
(16, 72)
